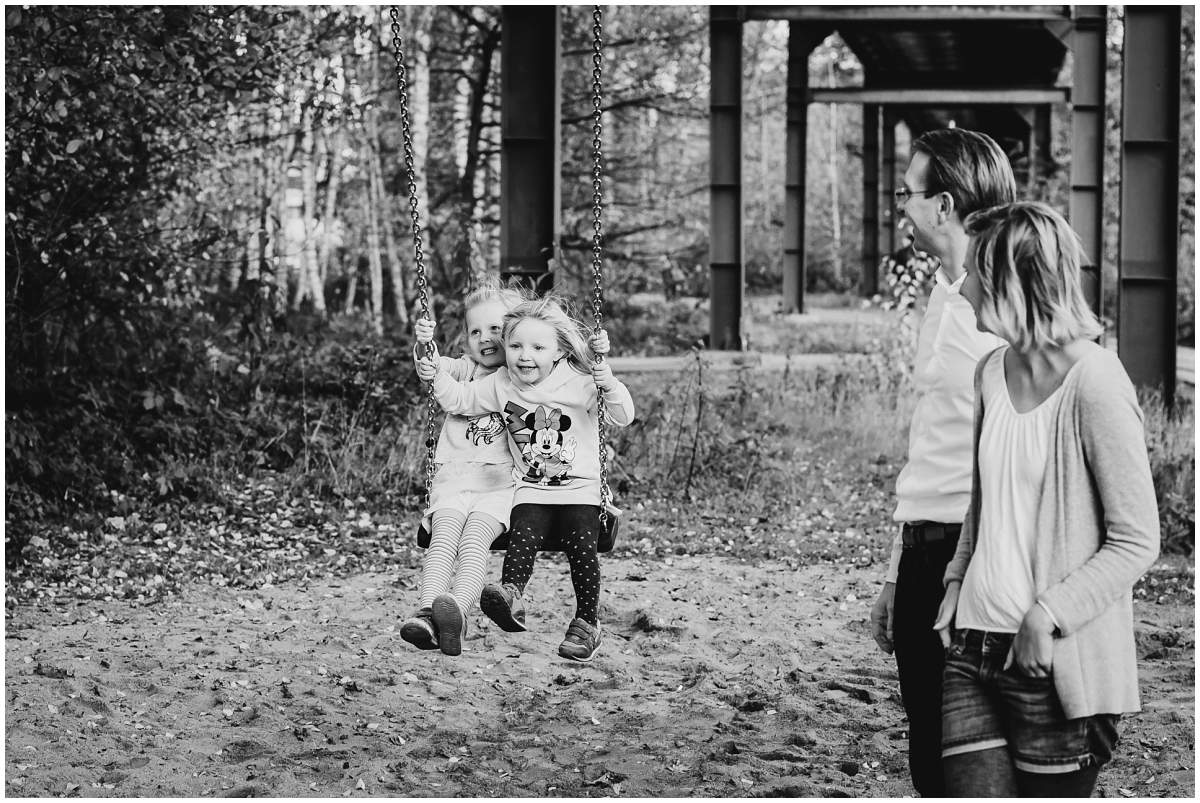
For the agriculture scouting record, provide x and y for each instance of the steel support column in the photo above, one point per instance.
(1149, 239)
(530, 189)
(1086, 211)
(887, 210)
(1043, 154)
(801, 40)
(727, 265)
(869, 283)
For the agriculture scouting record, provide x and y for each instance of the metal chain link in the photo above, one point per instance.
(431, 406)
(597, 242)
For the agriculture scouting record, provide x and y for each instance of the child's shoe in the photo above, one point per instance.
(450, 623)
(420, 630)
(502, 604)
(582, 641)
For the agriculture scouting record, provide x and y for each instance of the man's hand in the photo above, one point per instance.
(1033, 647)
(881, 618)
(945, 617)
(423, 329)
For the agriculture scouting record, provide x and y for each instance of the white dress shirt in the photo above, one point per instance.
(935, 483)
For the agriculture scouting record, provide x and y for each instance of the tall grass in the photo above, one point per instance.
(773, 436)
(1171, 443)
(753, 431)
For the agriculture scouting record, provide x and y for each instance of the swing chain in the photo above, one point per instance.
(418, 253)
(597, 243)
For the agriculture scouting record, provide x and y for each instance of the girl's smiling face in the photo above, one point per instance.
(533, 350)
(485, 325)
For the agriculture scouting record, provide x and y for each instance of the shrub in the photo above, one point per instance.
(1170, 441)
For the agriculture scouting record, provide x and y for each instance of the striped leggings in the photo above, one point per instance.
(460, 538)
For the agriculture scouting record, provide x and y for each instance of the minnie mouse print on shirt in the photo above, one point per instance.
(546, 448)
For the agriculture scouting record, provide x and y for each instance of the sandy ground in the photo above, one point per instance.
(716, 678)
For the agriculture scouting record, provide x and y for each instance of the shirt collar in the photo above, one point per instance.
(944, 281)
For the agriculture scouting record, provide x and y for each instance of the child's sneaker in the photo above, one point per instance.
(450, 623)
(502, 604)
(582, 641)
(420, 630)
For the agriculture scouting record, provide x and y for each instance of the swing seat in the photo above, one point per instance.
(608, 536)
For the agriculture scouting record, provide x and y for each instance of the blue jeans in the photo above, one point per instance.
(986, 707)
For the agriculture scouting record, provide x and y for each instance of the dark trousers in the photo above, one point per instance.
(920, 658)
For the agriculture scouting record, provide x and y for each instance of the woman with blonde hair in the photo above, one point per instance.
(1038, 611)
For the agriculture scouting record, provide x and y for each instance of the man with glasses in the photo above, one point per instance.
(952, 173)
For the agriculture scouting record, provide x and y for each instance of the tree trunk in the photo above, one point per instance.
(373, 209)
(351, 288)
(834, 183)
(388, 208)
(329, 217)
(467, 191)
(310, 264)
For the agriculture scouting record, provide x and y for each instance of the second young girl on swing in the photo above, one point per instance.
(472, 488)
(548, 396)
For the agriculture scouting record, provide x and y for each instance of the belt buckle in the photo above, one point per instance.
(919, 533)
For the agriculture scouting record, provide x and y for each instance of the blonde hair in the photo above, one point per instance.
(489, 291)
(569, 333)
(1029, 262)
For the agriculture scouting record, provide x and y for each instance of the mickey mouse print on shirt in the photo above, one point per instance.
(546, 448)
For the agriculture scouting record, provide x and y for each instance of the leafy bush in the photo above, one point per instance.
(707, 431)
(649, 325)
(335, 407)
(1171, 441)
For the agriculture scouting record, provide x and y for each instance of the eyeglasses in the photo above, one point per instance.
(903, 194)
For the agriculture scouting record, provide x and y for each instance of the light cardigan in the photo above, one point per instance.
(1098, 533)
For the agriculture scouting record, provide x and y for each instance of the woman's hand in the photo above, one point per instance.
(945, 617)
(423, 329)
(599, 342)
(427, 368)
(1033, 647)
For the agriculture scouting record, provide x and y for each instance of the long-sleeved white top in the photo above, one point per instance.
(552, 428)
(477, 438)
(935, 483)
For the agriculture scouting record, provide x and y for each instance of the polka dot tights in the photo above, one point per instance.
(576, 528)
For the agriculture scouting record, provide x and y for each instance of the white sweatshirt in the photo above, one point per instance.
(552, 428)
(471, 439)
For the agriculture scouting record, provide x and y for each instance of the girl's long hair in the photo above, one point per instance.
(569, 332)
(491, 290)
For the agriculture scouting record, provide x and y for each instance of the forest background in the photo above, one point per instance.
(209, 275)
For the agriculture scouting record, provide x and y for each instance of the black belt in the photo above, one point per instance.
(923, 533)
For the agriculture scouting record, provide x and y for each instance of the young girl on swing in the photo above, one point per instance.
(1061, 524)
(548, 397)
(472, 489)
